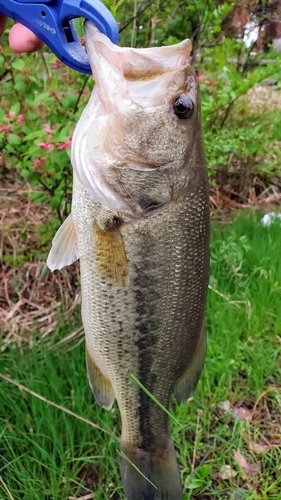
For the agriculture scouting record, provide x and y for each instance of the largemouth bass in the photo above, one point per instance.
(140, 227)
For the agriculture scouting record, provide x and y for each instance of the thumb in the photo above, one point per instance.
(21, 39)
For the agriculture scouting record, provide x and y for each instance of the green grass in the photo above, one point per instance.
(46, 454)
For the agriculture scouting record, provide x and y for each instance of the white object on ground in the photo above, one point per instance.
(277, 44)
(251, 34)
(269, 218)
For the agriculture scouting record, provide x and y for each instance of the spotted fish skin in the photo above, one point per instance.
(140, 226)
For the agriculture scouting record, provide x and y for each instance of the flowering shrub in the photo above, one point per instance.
(43, 100)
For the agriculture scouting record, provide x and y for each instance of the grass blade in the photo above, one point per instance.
(151, 396)
(51, 403)
(135, 467)
(6, 488)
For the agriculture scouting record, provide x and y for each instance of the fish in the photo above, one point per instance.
(139, 224)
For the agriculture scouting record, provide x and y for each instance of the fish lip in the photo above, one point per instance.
(136, 64)
(89, 26)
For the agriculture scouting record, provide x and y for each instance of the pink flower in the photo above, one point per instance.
(54, 94)
(47, 128)
(38, 165)
(38, 161)
(82, 39)
(57, 64)
(1, 159)
(21, 118)
(65, 145)
(200, 77)
(11, 114)
(44, 145)
(64, 74)
(6, 128)
(210, 81)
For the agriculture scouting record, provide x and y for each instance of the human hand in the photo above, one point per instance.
(21, 39)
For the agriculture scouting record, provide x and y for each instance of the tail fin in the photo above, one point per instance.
(159, 468)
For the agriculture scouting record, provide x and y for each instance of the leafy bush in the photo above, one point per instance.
(42, 101)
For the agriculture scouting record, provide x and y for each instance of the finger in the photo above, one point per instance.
(21, 39)
(3, 22)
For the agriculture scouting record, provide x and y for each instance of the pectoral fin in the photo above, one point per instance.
(186, 384)
(100, 385)
(64, 246)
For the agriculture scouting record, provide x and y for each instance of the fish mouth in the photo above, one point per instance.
(169, 56)
(134, 72)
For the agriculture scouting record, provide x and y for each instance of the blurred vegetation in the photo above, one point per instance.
(229, 442)
(42, 100)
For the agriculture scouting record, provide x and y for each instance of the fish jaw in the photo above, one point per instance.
(133, 73)
(129, 126)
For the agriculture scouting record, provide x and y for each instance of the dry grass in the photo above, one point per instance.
(31, 298)
(255, 195)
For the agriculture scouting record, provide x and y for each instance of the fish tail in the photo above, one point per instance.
(157, 477)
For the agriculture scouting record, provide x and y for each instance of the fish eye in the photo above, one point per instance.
(183, 107)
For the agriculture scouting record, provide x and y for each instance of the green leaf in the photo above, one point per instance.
(33, 176)
(24, 237)
(16, 108)
(204, 470)
(37, 197)
(18, 63)
(69, 101)
(33, 150)
(33, 135)
(193, 482)
(55, 202)
(13, 139)
(44, 97)
(20, 86)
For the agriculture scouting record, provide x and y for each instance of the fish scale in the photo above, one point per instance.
(155, 309)
(140, 227)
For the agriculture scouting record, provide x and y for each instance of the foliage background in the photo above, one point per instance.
(229, 442)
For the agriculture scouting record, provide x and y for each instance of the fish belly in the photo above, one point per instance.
(144, 285)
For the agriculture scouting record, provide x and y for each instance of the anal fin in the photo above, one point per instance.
(64, 246)
(187, 383)
(100, 385)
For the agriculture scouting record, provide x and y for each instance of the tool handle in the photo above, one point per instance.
(52, 22)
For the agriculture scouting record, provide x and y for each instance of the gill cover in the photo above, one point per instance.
(129, 83)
